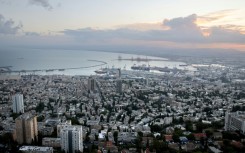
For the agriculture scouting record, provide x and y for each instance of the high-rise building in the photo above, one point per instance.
(60, 126)
(235, 121)
(91, 84)
(119, 85)
(72, 139)
(26, 128)
(18, 104)
(119, 73)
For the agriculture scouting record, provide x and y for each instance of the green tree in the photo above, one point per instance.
(115, 135)
(177, 133)
(191, 137)
(40, 107)
(188, 126)
(159, 146)
(15, 115)
(140, 134)
(209, 133)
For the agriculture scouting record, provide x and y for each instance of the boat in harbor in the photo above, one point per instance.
(101, 71)
(140, 67)
(49, 70)
(183, 65)
(164, 69)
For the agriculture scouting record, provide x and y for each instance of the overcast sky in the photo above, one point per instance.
(145, 23)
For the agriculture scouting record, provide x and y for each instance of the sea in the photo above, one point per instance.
(75, 62)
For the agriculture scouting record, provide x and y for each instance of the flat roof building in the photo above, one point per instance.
(72, 139)
(235, 121)
(36, 149)
(18, 104)
(26, 128)
(51, 142)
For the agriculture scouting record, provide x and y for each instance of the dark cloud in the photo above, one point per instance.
(43, 3)
(183, 29)
(8, 26)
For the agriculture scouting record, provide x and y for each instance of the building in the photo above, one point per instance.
(235, 121)
(71, 139)
(60, 126)
(51, 142)
(18, 104)
(26, 128)
(91, 84)
(36, 149)
(119, 73)
(46, 130)
(119, 85)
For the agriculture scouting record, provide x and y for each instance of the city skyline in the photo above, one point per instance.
(109, 24)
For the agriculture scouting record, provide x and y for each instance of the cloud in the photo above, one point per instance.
(43, 3)
(5, 2)
(220, 34)
(178, 30)
(214, 16)
(181, 30)
(32, 34)
(144, 26)
(8, 26)
(240, 28)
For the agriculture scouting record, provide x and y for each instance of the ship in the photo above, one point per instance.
(140, 67)
(61, 69)
(100, 71)
(183, 65)
(164, 69)
(49, 70)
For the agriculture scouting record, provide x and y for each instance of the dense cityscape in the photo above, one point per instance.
(129, 111)
(122, 76)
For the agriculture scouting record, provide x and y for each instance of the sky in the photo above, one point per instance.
(110, 24)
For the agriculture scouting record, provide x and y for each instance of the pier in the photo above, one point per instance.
(139, 59)
(8, 70)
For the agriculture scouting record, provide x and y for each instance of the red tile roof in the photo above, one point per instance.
(168, 137)
(200, 135)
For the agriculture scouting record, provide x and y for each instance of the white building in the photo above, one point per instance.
(235, 121)
(36, 149)
(60, 126)
(18, 104)
(71, 139)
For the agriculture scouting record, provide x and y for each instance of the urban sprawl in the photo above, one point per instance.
(130, 111)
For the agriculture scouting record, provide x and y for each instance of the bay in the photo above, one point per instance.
(84, 62)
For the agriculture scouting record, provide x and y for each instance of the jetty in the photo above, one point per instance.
(6, 69)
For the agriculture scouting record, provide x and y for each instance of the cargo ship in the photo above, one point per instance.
(101, 71)
(140, 67)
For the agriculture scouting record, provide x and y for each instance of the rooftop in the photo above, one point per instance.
(25, 116)
(35, 148)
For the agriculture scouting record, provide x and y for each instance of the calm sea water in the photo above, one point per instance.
(36, 59)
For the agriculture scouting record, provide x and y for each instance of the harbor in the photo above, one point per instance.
(26, 62)
(141, 59)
